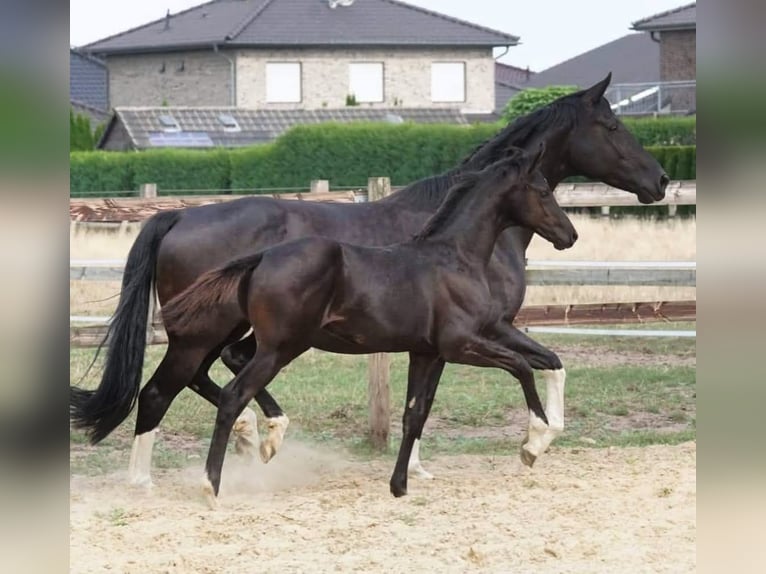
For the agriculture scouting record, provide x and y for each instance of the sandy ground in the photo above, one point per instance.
(579, 510)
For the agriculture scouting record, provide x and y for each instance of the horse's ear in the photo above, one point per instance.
(538, 157)
(594, 94)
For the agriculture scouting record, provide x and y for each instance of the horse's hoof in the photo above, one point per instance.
(418, 471)
(209, 493)
(141, 482)
(527, 457)
(245, 448)
(267, 452)
(398, 490)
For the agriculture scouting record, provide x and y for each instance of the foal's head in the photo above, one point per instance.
(528, 200)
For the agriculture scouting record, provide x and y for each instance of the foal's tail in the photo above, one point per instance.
(99, 412)
(187, 312)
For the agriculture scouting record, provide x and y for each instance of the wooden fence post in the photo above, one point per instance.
(379, 393)
(319, 186)
(147, 190)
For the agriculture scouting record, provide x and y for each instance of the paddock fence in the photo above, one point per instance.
(90, 331)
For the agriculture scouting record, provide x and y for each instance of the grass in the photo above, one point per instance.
(477, 411)
(620, 391)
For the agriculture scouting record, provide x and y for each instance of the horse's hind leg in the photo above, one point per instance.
(177, 368)
(235, 357)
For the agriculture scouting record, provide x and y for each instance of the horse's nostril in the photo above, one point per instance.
(574, 236)
(664, 180)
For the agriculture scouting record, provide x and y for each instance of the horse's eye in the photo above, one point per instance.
(612, 127)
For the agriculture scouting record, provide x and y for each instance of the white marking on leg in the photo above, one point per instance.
(414, 467)
(139, 471)
(554, 404)
(246, 433)
(536, 433)
(272, 442)
(412, 402)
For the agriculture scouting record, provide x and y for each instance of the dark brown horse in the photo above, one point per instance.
(429, 296)
(582, 137)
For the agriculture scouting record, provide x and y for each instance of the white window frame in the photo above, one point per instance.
(446, 89)
(277, 73)
(362, 80)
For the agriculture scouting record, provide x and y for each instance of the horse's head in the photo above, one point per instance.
(602, 148)
(530, 202)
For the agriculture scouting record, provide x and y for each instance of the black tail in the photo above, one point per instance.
(190, 310)
(100, 411)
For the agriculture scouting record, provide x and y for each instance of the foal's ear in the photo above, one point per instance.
(594, 94)
(536, 159)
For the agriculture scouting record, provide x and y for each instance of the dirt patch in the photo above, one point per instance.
(578, 510)
(582, 355)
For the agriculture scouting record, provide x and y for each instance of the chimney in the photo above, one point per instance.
(167, 20)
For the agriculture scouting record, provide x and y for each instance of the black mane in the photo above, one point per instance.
(426, 192)
(464, 184)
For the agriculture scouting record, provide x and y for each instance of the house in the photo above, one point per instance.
(676, 32)
(88, 87)
(138, 128)
(304, 54)
(653, 70)
(634, 58)
(509, 81)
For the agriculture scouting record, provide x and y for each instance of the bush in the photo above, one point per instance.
(663, 131)
(80, 135)
(177, 171)
(533, 98)
(345, 154)
(101, 174)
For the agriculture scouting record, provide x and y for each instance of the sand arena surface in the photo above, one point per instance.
(309, 510)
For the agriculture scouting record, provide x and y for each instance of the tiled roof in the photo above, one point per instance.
(88, 81)
(631, 59)
(511, 75)
(681, 18)
(207, 127)
(281, 23)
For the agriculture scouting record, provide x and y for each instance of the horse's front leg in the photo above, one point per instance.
(424, 374)
(235, 357)
(427, 369)
(491, 350)
(552, 371)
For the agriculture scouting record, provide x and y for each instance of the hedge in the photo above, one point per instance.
(182, 170)
(664, 131)
(345, 154)
(100, 172)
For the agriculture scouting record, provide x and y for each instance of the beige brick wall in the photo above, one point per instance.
(138, 80)
(407, 77)
(678, 55)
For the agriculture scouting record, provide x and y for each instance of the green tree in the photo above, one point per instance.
(80, 134)
(533, 98)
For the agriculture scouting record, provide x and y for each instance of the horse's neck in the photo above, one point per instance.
(474, 227)
(425, 194)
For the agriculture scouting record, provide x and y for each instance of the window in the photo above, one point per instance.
(229, 123)
(283, 82)
(448, 82)
(169, 123)
(365, 81)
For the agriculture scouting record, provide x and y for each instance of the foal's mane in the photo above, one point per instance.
(422, 194)
(465, 183)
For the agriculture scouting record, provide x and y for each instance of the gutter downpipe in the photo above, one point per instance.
(233, 73)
